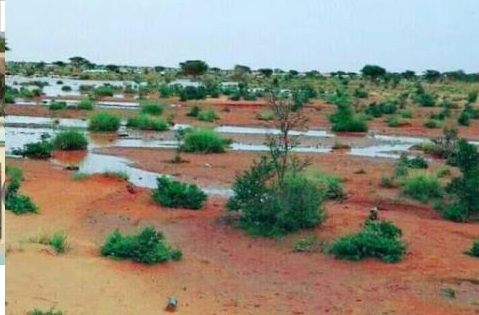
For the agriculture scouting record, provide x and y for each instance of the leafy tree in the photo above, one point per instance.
(373, 72)
(432, 75)
(194, 67)
(79, 62)
(266, 72)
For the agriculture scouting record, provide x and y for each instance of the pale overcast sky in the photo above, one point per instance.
(324, 35)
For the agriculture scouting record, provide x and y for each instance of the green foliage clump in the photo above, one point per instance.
(104, 122)
(472, 97)
(85, 104)
(331, 185)
(37, 311)
(344, 119)
(174, 194)
(145, 122)
(193, 111)
(147, 247)
(193, 93)
(57, 105)
(265, 115)
(474, 250)
(207, 115)
(422, 187)
(66, 88)
(273, 209)
(152, 108)
(104, 91)
(40, 150)
(70, 140)
(465, 188)
(15, 202)
(432, 123)
(377, 239)
(204, 141)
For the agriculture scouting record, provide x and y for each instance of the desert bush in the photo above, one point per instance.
(387, 181)
(207, 115)
(193, 93)
(474, 250)
(377, 239)
(406, 113)
(174, 194)
(66, 88)
(360, 93)
(57, 105)
(85, 104)
(147, 247)
(472, 97)
(331, 185)
(203, 140)
(145, 122)
(417, 162)
(464, 119)
(103, 122)
(58, 242)
(152, 108)
(424, 99)
(270, 209)
(15, 202)
(393, 121)
(265, 115)
(344, 120)
(193, 111)
(40, 150)
(304, 244)
(70, 140)
(432, 123)
(14, 172)
(104, 91)
(422, 187)
(37, 311)
(464, 189)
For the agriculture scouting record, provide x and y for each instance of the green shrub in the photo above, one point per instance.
(303, 244)
(174, 194)
(58, 242)
(418, 162)
(432, 123)
(15, 202)
(37, 311)
(193, 93)
(265, 115)
(104, 122)
(66, 88)
(474, 250)
(387, 182)
(377, 239)
(344, 120)
(422, 187)
(14, 173)
(57, 105)
(464, 119)
(147, 247)
(331, 185)
(207, 115)
(70, 140)
(40, 150)
(203, 140)
(145, 122)
(152, 108)
(406, 113)
(104, 91)
(193, 111)
(472, 97)
(269, 209)
(85, 104)
(393, 121)
(424, 99)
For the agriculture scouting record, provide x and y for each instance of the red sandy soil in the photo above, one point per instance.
(244, 114)
(224, 271)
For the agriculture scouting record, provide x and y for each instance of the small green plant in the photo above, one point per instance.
(406, 113)
(104, 122)
(344, 119)
(147, 247)
(57, 105)
(472, 97)
(422, 187)
(145, 122)
(418, 162)
(377, 239)
(85, 103)
(58, 241)
(204, 141)
(15, 202)
(174, 194)
(464, 119)
(393, 121)
(207, 115)
(152, 108)
(331, 185)
(265, 115)
(304, 244)
(70, 140)
(432, 123)
(66, 88)
(14, 172)
(37, 311)
(193, 111)
(387, 182)
(40, 150)
(474, 250)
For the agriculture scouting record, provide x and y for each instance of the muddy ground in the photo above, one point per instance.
(224, 271)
